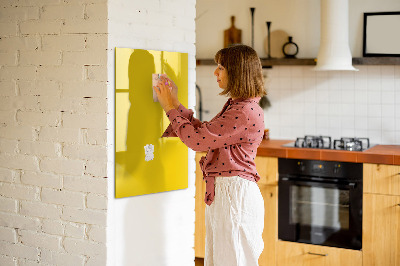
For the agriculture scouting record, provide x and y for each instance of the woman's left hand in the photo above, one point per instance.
(164, 96)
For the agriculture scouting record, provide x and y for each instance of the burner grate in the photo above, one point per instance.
(320, 142)
(351, 144)
(324, 142)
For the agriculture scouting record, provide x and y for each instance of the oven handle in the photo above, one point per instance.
(297, 181)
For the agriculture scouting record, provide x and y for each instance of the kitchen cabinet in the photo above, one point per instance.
(381, 179)
(381, 230)
(267, 167)
(200, 207)
(298, 254)
(381, 215)
(270, 233)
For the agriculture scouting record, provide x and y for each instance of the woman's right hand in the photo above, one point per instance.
(174, 90)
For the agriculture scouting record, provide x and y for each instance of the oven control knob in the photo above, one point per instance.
(302, 167)
(336, 169)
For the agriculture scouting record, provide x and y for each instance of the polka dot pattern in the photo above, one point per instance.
(231, 139)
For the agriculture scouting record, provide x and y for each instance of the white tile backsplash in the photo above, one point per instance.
(387, 71)
(348, 96)
(388, 83)
(374, 110)
(361, 125)
(387, 124)
(387, 110)
(388, 97)
(397, 95)
(364, 103)
(374, 97)
(374, 83)
(361, 110)
(347, 110)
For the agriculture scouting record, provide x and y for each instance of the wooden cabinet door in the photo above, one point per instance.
(381, 230)
(200, 207)
(270, 233)
(267, 168)
(381, 179)
(297, 254)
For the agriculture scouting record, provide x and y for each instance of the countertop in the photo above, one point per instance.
(379, 154)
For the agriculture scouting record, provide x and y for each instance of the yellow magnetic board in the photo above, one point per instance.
(144, 162)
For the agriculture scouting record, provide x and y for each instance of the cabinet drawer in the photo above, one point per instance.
(381, 179)
(297, 254)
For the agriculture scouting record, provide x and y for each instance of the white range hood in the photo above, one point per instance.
(334, 51)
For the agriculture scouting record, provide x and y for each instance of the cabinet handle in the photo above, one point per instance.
(318, 254)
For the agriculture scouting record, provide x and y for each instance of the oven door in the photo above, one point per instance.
(320, 212)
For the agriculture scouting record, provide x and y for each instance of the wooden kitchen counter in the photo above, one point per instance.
(379, 154)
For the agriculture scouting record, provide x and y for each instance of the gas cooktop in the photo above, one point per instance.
(325, 142)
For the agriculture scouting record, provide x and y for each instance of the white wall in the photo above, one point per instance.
(156, 229)
(53, 190)
(298, 18)
(338, 104)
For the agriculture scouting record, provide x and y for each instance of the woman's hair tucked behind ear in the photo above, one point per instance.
(245, 78)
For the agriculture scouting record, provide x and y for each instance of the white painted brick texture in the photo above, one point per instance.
(6, 260)
(53, 227)
(8, 234)
(75, 230)
(53, 108)
(61, 258)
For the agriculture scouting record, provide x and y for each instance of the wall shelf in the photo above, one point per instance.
(376, 61)
(312, 61)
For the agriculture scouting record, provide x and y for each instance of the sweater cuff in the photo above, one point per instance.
(169, 132)
(172, 114)
(185, 112)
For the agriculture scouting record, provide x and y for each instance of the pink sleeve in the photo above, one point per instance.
(223, 131)
(188, 114)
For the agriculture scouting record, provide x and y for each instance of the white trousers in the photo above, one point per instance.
(234, 223)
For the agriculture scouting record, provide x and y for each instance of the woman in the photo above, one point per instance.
(235, 207)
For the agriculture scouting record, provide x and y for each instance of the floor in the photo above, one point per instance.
(199, 262)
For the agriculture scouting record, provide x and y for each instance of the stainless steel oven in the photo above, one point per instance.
(320, 202)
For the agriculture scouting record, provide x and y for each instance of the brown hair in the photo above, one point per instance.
(245, 78)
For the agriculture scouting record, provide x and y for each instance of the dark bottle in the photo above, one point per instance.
(290, 49)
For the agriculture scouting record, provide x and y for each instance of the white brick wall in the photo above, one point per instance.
(62, 258)
(55, 136)
(53, 107)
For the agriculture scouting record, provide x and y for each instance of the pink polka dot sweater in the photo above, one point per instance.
(231, 139)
